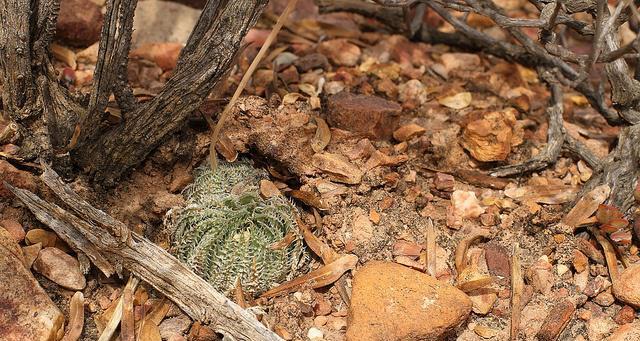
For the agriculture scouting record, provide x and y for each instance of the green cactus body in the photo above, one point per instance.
(226, 230)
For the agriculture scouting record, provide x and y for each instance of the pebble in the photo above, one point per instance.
(556, 321)
(60, 268)
(340, 52)
(392, 302)
(315, 334)
(625, 315)
(372, 116)
(14, 228)
(627, 287)
(412, 92)
(16, 178)
(27, 311)
(79, 22)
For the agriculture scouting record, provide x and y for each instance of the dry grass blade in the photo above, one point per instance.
(239, 295)
(76, 317)
(110, 329)
(517, 286)
(149, 326)
(215, 135)
(317, 278)
(431, 248)
(609, 254)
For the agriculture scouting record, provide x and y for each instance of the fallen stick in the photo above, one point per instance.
(144, 259)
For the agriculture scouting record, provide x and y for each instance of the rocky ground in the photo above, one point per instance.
(385, 145)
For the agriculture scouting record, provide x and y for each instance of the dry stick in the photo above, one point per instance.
(108, 331)
(517, 285)
(431, 249)
(215, 135)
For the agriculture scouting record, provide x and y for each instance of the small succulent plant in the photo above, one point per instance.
(228, 231)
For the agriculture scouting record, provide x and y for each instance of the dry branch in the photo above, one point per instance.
(143, 258)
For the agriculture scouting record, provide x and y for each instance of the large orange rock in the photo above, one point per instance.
(391, 302)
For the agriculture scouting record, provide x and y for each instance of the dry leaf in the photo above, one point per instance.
(291, 98)
(321, 249)
(268, 189)
(322, 137)
(321, 277)
(63, 54)
(308, 198)
(76, 317)
(284, 242)
(408, 131)
(586, 206)
(338, 168)
(307, 88)
(457, 101)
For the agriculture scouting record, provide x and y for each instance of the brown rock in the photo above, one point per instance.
(60, 268)
(625, 315)
(14, 228)
(580, 261)
(444, 182)
(627, 287)
(490, 138)
(483, 300)
(391, 302)
(340, 51)
(322, 307)
(46, 238)
(174, 326)
(337, 167)
(16, 178)
(362, 228)
(311, 61)
(27, 312)
(556, 321)
(165, 55)
(540, 275)
(79, 22)
(604, 299)
(30, 254)
(497, 259)
(370, 115)
(626, 332)
(412, 93)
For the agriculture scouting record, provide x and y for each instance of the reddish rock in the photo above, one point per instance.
(444, 182)
(16, 178)
(626, 315)
(498, 261)
(165, 55)
(14, 228)
(312, 61)
(79, 22)
(60, 268)
(391, 302)
(556, 321)
(372, 116)
(340, 51)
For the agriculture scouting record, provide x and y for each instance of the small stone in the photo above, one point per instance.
(337, 167)
(322, 307)
(340, 52)
(362, 229)
(444, 182)
(312, 61)
(580, 261)
(283, 332)
(30, 254)
(16, 178)
(60, 268)
(626, 332)
(483, 300)
(627, 287)
(174, 326)
(556, 321)
(392, 302)
(604, 299)
(412, 92)
(561, 269)
(625, 315)
(165, 55)
(498, 261)
(46, 238)
(79, 22)
(147, 28)
(320, 321)
(370, 115)
(540, 275)
(14, 228)
(337, 323)
(466, 205)
(490, 138)
(315, 334)
(408, 131)
(374, 216)
(406, 248)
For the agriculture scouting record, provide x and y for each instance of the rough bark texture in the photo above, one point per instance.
(92, 230)
(210, 52)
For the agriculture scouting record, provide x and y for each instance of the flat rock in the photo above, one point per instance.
(627, 287)
(340, 51)
(14, 228)
(392, 302)
(151, 24)
(27, 311)
(79, 22)
(16, 178)
(372, 116)
(60, 267)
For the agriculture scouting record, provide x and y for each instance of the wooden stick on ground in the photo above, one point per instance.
(143, 258)
(517, 285)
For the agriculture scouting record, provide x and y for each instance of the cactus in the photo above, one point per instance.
(227, 231)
